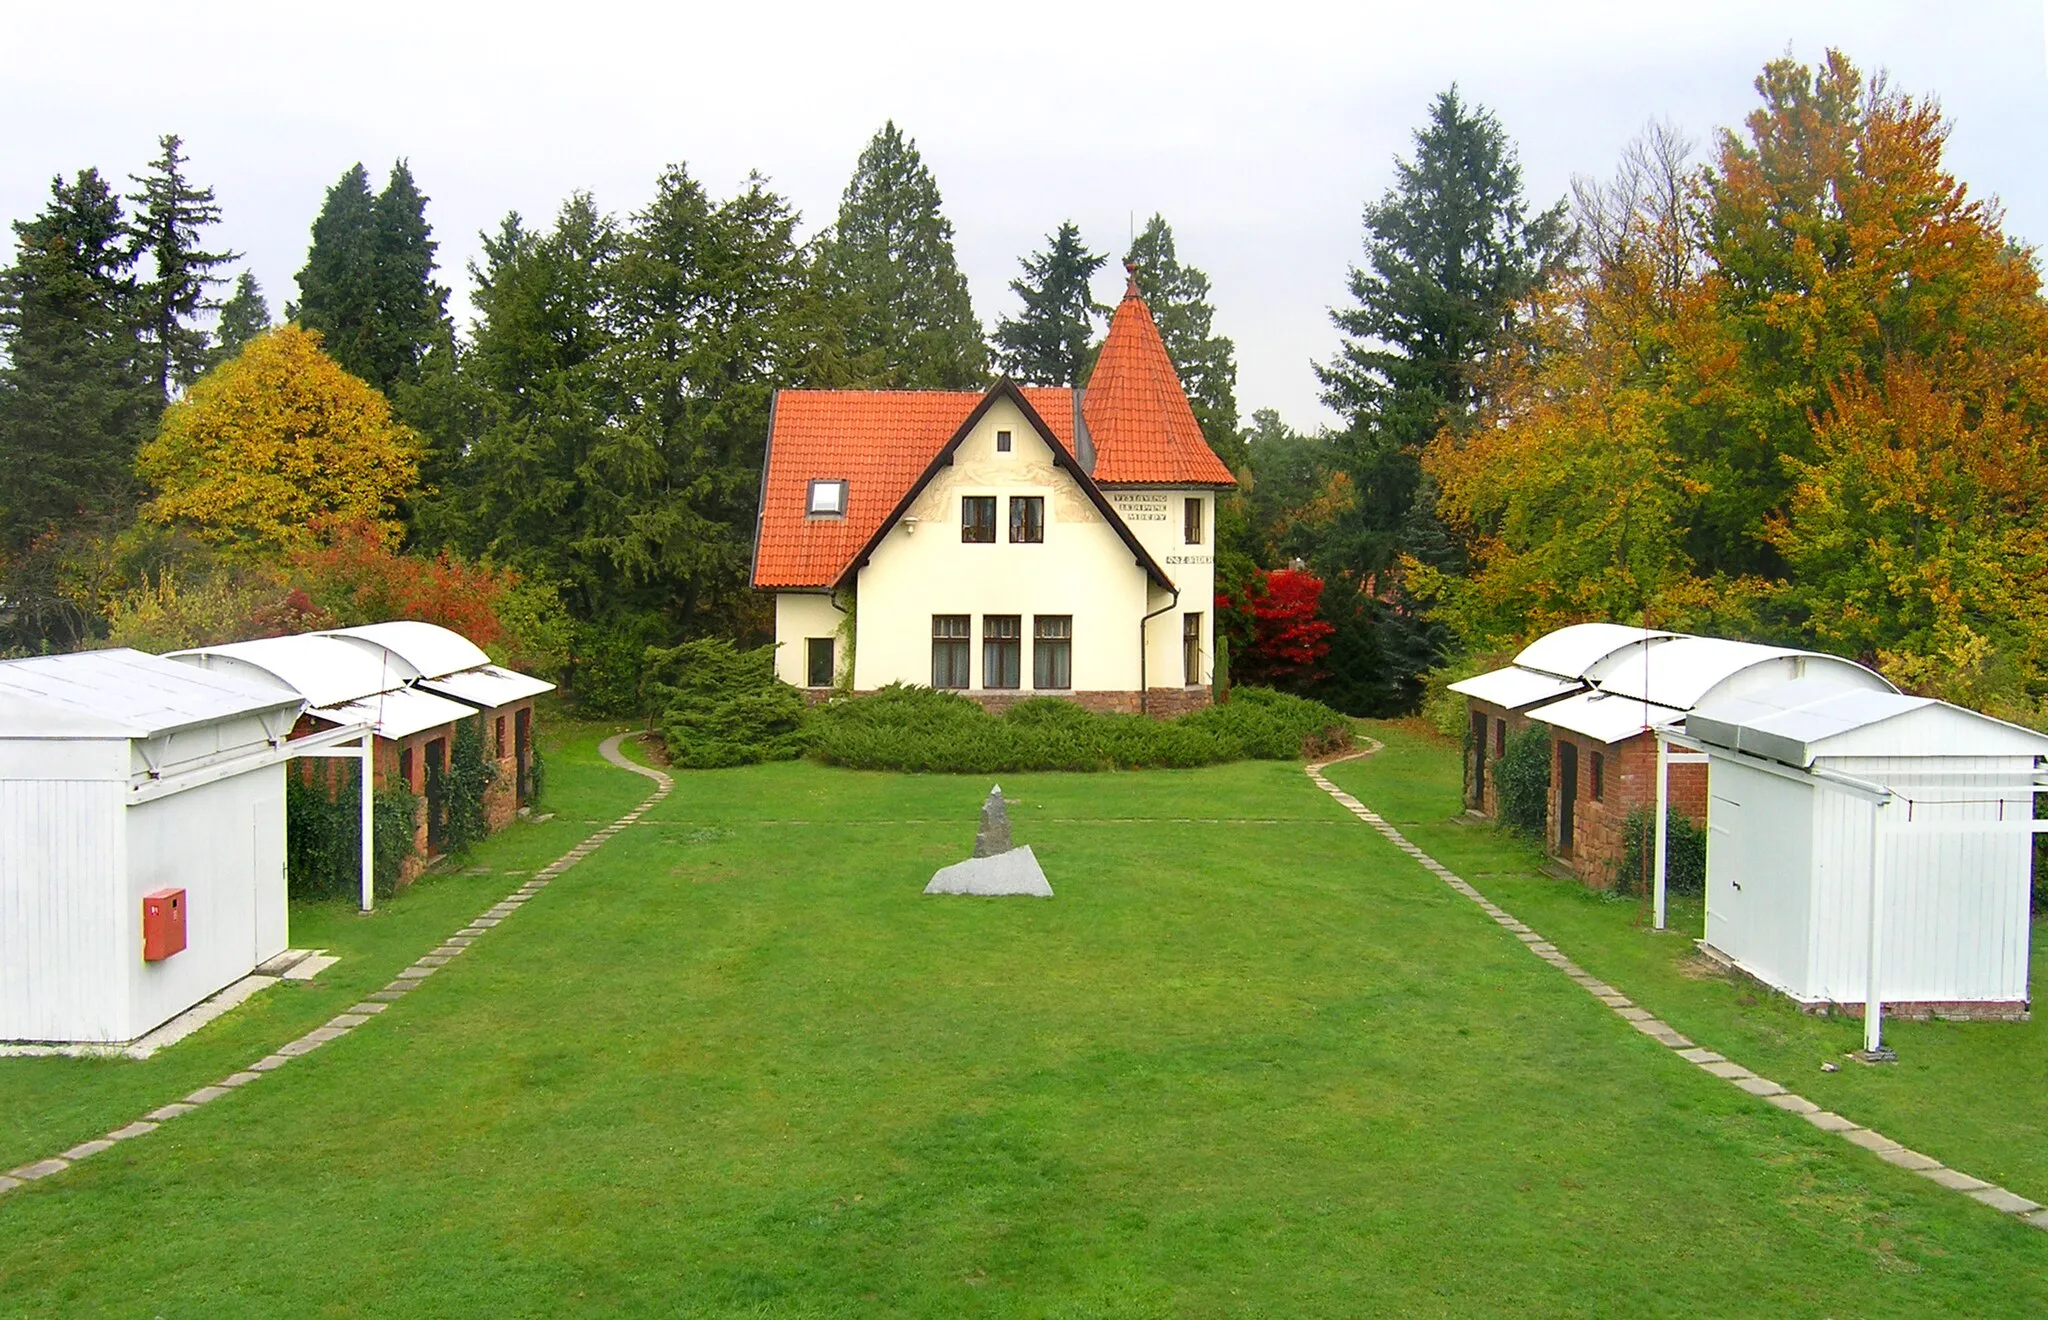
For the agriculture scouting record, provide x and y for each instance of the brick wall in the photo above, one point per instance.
(1165, 703)
(1628, 781)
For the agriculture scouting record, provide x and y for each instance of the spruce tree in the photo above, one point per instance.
(174, 290)
(1049, 344)
(338, 289)
(77, 394)
(889, 265)
(1450, 250)
(243, 316)
(1205, 361)
(412, 310)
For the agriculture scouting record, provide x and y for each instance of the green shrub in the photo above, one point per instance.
(323, 836)
(1685, 854)
(916, 729)
(1446, 711)
(718, 706)
(1521, 781)
(469, 776)
(604, 674)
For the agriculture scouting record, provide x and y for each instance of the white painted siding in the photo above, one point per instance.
(1158, 519)
(61, 976)
(1760, 839)
(206, 842)
(1955, 905)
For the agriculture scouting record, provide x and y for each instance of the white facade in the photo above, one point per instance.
(1791, 831)
(122, 774)
(1083, 572)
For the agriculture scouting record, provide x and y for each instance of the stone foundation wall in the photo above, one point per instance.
(1164, 703)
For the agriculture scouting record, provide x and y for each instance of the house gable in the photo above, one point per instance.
(1062, 458)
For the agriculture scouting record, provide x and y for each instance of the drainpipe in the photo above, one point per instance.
(1144, 692)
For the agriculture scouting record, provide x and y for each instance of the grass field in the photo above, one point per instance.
(1251, 1061)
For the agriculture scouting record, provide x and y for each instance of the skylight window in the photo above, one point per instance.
(828, 499)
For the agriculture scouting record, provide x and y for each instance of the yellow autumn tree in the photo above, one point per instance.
(273, 440)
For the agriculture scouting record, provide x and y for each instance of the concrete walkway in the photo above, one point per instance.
(1891, 1152)
(374, 1004)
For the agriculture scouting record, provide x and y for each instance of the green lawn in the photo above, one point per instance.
(1252, 1060)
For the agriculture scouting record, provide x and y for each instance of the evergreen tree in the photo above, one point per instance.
(76, 395)
(1205, 361)
(338, 289)
(243, 316)
(170, 213)
(412, 310)
(889, 265)
(1049, 344)
(1450, 250)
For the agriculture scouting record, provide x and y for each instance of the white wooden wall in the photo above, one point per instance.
(1955, 905)
(1759, 855)
(61, 869)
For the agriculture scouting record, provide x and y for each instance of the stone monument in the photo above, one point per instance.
(996, 869)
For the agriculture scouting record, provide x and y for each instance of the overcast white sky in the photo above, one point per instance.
(1257, 129)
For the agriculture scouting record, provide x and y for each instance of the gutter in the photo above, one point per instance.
(1144, 692)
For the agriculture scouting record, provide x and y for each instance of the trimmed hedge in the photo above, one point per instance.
(718, 706)
(1521, 782)
(917, 729)
(1685, 854)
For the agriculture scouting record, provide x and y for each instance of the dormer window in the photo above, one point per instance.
(828, 499)
(1002, 442)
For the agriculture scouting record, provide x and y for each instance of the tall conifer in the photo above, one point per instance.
(1205, 361)
(76, 395)
(338, 290)
(243, 316)
(174, 288)
(1049, 343)
(412, 310)
(889, 264)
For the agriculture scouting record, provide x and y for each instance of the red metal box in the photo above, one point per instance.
(163, 924)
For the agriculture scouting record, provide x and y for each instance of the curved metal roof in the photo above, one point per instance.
(1606, 717)
(326, 671)
(1515, 687)
(1680, 671)
(429, 648)
(1571, 651)
(120, 692)
(1797, 722)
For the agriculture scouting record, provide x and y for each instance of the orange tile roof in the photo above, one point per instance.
(878, 442)
(1138, 416)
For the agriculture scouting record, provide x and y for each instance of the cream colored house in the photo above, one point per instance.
(1004, 544)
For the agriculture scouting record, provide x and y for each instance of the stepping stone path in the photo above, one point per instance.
(358, 1015)
(1998, 1198)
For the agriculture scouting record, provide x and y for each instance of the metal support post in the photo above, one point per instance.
(369, 817)
(1663, 820)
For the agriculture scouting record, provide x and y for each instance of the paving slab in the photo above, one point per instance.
(347, 1021)
(8, 1184)
(1794, 1104)
(1909, 1159)
(2039, 1219)
(87, 1149)
(1634, 1014)
(242, 1078)
(206, 1095)
(392, 993)
(170, 1111)
(1829, 1122)
(292, 1049)
(415, 973)
(1870, 1140)
(1698, 1054)
(1731, 1071)
(1759, 1085)
(1615, 1001)
(270, 1062)
(139, 1128)
(434, 959)
(368, 1006)
(2000, 1199)
(40, 1169)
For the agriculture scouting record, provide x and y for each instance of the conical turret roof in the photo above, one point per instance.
(1137, 414)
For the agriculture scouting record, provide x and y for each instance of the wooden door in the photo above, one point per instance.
(1567, 794)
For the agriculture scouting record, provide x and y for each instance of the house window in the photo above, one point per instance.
(827, 499)
(1191, 648)
(978, 519)
(1052, 652)
(1597, 780)
(1191, 520)
(818, 661)
(405, 768)
(949, 651)
(499, 752)
(1027, 518)
(1002, 650)
(1002, 442)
